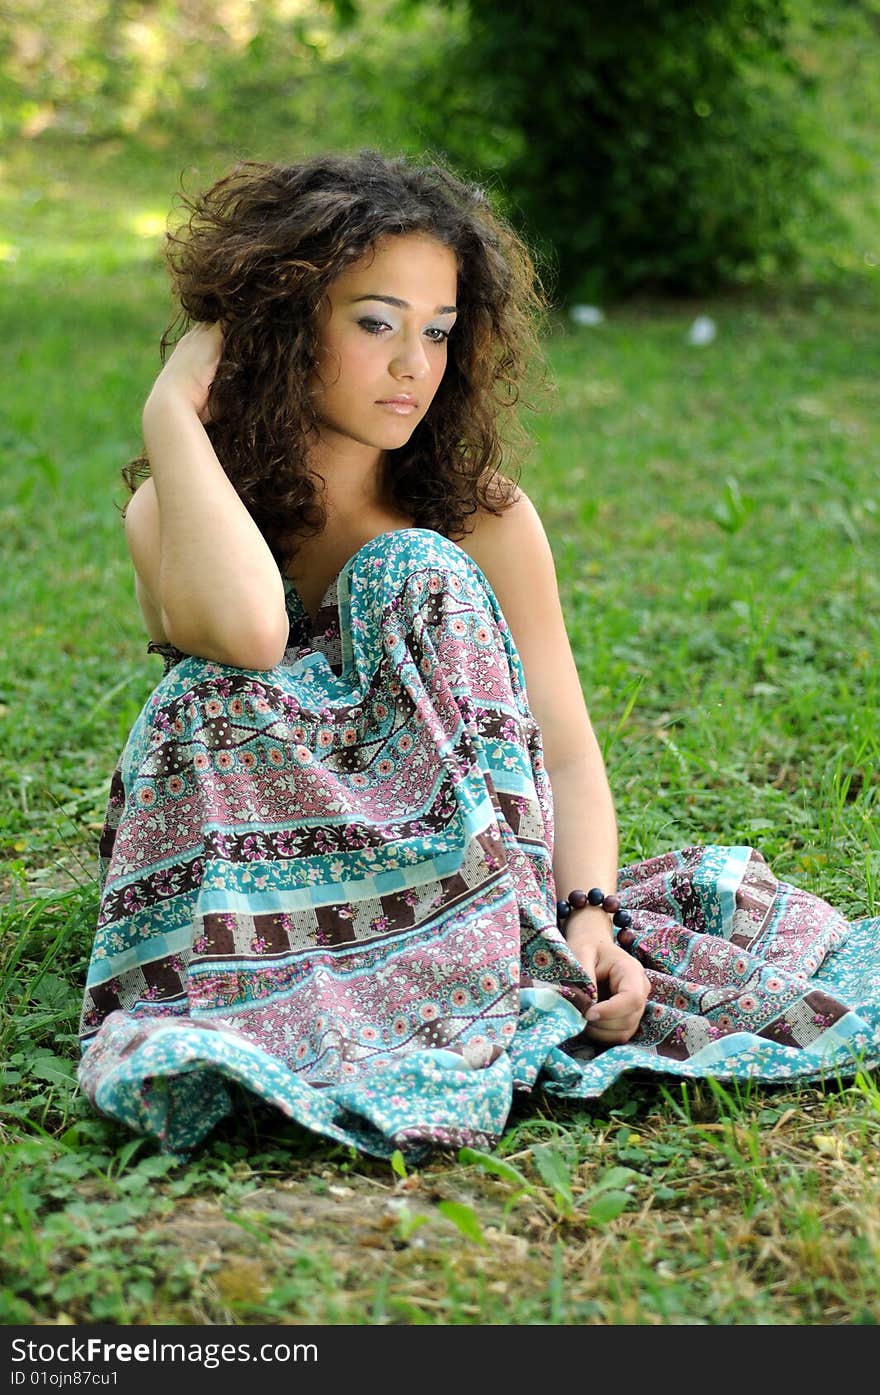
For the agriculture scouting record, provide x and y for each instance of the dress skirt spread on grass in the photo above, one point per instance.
(330, 884)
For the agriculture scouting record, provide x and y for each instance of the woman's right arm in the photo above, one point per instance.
(204, 570)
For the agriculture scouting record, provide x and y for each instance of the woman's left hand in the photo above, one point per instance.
(622, 983)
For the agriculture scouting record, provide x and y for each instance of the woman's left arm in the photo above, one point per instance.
(515, 555)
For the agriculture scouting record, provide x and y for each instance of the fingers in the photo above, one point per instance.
(614, 1031)
(617, 1018)
(620, 976)
(191, 366)
(202, 346)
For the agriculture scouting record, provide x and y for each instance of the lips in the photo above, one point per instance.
(400, 406)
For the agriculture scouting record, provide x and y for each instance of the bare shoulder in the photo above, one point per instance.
(511, 545)
(142, 536)
(142, 519)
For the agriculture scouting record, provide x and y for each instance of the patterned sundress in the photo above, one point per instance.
(330, 885)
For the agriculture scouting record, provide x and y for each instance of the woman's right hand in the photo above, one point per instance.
(189, 370)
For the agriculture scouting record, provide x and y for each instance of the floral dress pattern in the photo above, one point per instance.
(330, 885)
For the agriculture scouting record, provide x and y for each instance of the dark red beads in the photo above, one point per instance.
(577, 899)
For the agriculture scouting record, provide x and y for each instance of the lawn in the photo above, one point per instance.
(714, 514)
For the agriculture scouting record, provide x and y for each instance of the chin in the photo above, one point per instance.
(399, 438)
(390, 435)
(395, 435)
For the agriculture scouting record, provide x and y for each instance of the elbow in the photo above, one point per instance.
(257, 653)
(256, 646)
(561, 761)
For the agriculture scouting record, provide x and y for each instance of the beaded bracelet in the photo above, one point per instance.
(576, 900)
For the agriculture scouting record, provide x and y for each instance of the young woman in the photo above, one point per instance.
(339, 827)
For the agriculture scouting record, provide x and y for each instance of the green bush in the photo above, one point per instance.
(663, 144)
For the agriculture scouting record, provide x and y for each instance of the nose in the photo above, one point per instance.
(410, 359)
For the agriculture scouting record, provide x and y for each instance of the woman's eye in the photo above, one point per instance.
(374, 326)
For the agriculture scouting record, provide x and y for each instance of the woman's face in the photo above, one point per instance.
(382, 341)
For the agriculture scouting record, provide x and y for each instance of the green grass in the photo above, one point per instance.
(714, 513)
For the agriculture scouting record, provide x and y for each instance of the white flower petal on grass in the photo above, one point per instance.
(702, 331)
(586, 314)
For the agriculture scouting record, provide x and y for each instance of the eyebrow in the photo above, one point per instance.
(404, 304)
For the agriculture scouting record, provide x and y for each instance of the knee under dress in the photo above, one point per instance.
(329, 885)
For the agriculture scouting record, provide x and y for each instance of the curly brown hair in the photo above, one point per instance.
(259, 250)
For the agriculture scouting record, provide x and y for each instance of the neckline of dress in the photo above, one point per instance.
(290, 585)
